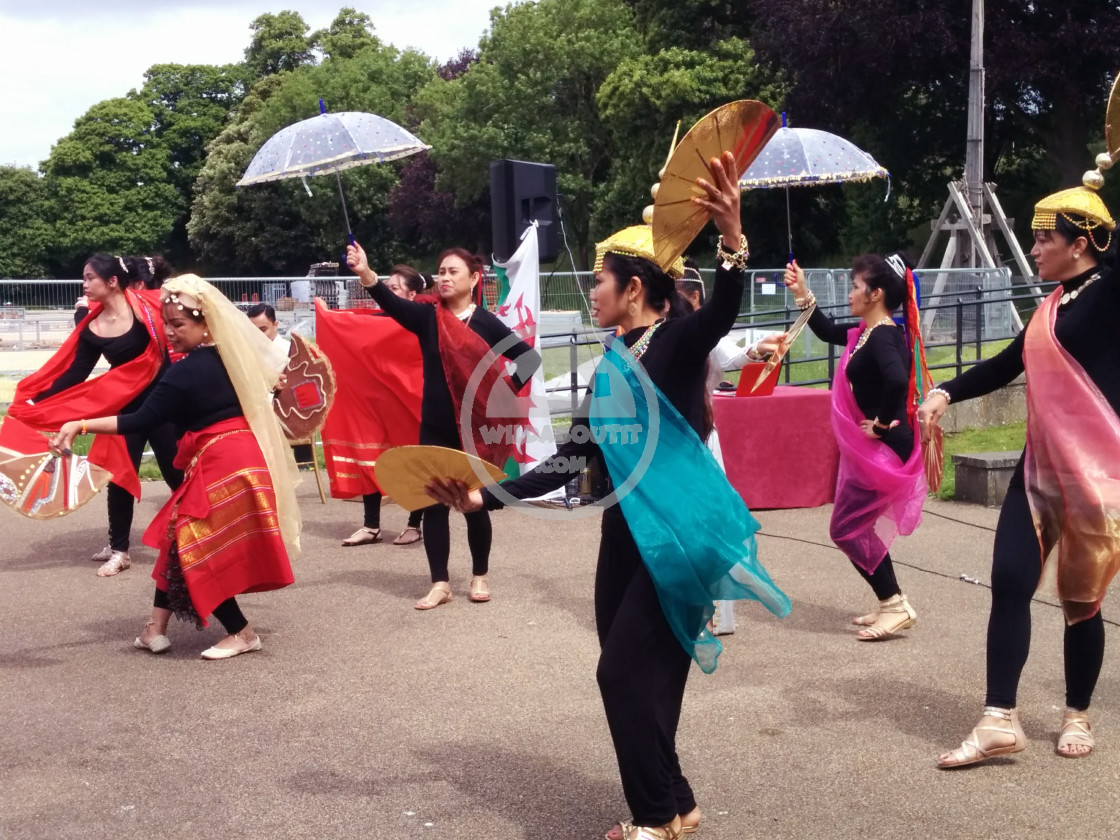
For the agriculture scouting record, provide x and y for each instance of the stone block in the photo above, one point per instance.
(982, 477)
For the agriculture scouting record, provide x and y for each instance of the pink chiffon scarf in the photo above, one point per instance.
(877, 496)
(1072, 467)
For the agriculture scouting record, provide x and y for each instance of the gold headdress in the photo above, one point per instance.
(635, 241)
(253, 364)
(1084, 202)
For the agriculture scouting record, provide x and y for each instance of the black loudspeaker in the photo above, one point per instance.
(521, 193)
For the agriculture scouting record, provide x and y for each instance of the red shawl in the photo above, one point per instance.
(497, 409)
(98, 396)
(378, 383)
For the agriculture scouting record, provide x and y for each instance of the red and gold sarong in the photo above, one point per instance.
(222, 519)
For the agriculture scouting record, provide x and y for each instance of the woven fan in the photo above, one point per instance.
(742, 128)
(402, 473)
(39, 484)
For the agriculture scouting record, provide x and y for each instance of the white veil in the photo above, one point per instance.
(253, 364)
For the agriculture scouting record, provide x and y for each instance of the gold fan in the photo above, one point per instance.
(405, 471)
(933, 452)
(777, 356)
(742, 128)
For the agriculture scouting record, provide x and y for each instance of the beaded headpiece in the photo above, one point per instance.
(1081, 207)
(635, 241)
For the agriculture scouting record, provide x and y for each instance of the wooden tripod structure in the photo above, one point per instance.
(972, 207)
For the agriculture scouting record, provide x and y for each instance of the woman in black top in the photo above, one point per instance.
(1072, 236)
(120, 336)
(231, 526)
(643, 667)
(460, 273)
(878, 373)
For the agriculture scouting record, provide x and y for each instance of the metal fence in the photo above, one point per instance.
(970, 310)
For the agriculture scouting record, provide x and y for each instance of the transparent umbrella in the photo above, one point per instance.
(330, 142)
(797, 157)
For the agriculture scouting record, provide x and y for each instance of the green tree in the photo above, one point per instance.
(532, 95)
(280, 42)
(643, 98)
(24, 229)
(349, 33)
(108, 187)
(277, 228)
(191, 104)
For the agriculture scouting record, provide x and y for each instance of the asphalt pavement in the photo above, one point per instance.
(363, 718)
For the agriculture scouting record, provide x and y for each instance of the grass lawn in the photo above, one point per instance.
(1011, 436)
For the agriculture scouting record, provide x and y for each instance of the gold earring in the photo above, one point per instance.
(632, 309)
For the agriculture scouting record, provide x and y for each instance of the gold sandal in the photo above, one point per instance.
(971, 751)
(400, 540)
(440, 594)
(480, 589)
(118, 561)
(1075, 732)
(620, 829)
(363, 536)
(895, 615)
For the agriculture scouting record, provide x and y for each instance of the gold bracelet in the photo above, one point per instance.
(805, 302)
(736, 258)
(83, 427)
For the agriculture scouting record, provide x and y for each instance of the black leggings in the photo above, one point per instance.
(642, 674)
(227, 612)
(882, 580)
(437, 529)
(437, 541)
(121, 503)
(371, 518)
(1016, 569)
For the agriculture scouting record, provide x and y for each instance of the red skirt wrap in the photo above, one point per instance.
(222, 518)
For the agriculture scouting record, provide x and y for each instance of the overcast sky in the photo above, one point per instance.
(59, 57)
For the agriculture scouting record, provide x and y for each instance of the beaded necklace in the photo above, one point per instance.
(1073, 293)
(867, 333)
(642, 344)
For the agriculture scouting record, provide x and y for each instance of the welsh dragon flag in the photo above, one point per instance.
(519, 308)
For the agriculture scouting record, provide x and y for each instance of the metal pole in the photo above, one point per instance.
(345, 214)
(974, 150)
(789, 227)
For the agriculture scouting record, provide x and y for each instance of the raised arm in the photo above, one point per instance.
(822, 325)
(701, 330)
(408, 313)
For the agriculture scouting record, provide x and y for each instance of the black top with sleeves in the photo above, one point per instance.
(1086, 327)
(675, 359)
(879, 373)
(437, 410)
(193, 393)
(117, 350)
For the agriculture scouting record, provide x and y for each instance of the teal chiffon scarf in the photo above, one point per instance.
(694, 532)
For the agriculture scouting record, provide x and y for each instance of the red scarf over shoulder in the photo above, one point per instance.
(497, 408)
(98, 396)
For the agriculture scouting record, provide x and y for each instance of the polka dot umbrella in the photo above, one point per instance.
(330, 142)
(797, 157)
